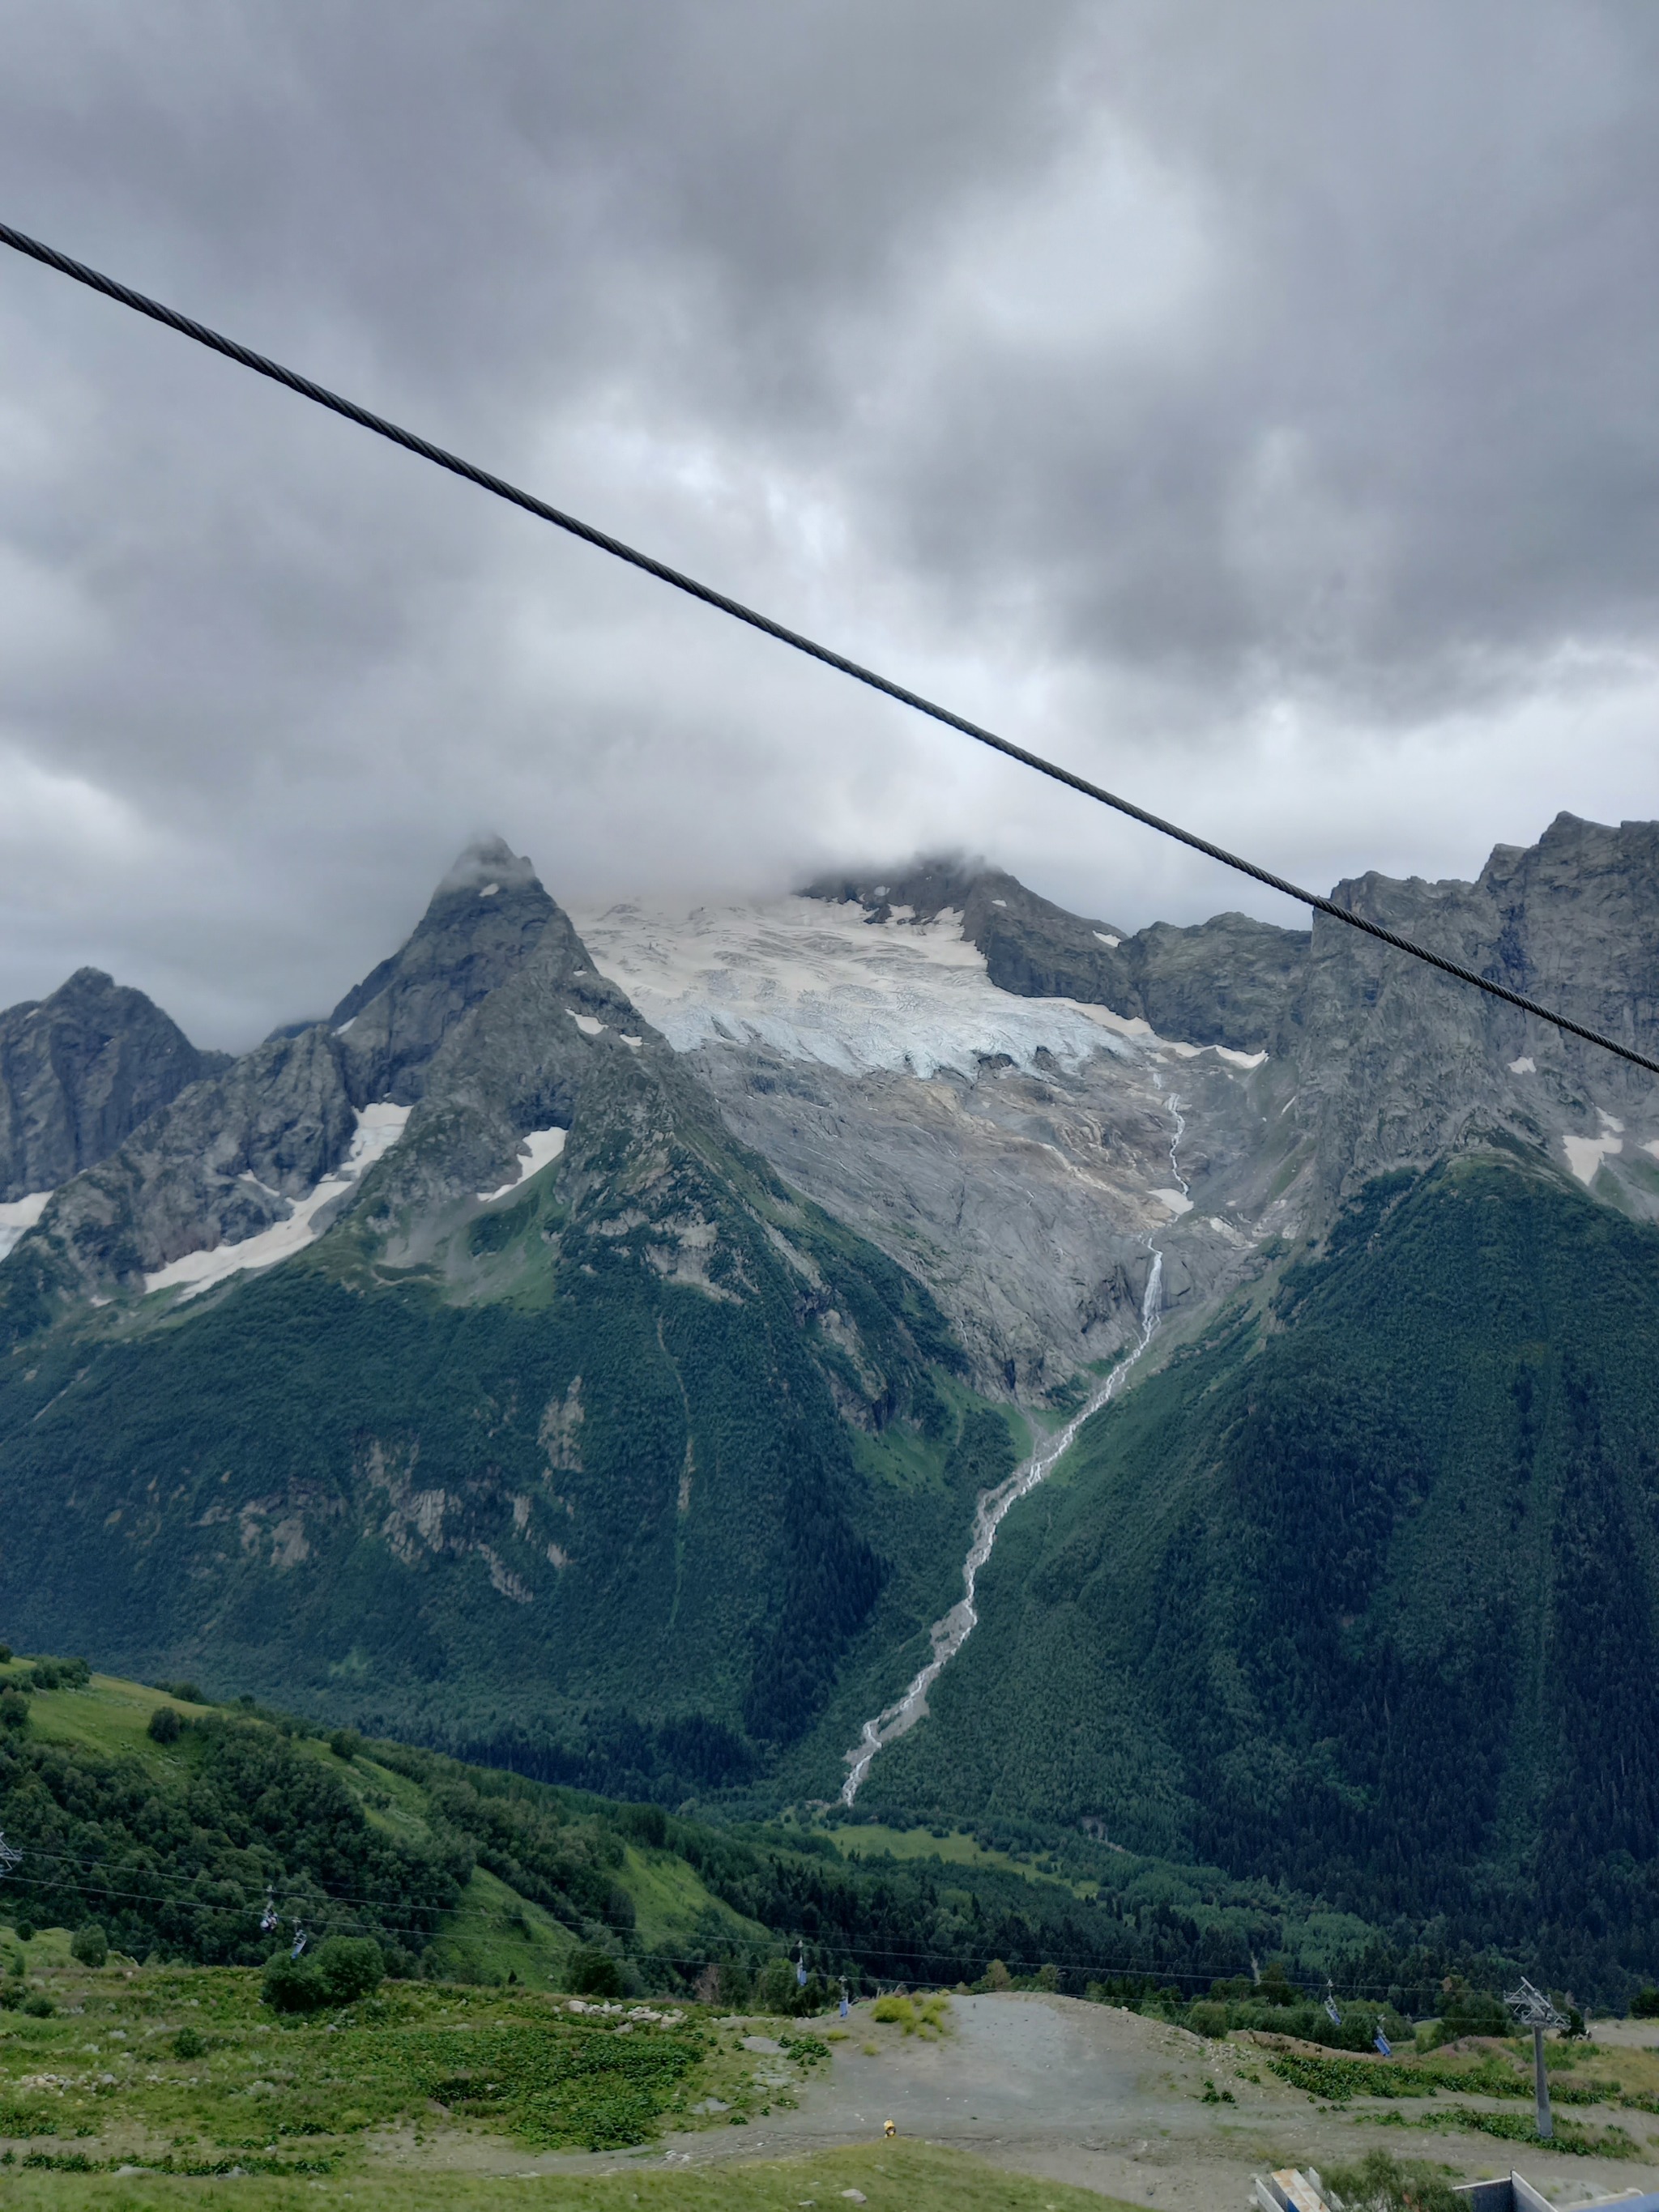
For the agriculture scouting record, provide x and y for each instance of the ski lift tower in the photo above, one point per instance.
(1533, 2009)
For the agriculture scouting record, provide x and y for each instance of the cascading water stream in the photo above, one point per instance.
(949, 1635)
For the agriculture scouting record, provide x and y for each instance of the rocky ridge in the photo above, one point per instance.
(983, 1085)
(556, 1389)
(79, 1072)
(1394, 1065)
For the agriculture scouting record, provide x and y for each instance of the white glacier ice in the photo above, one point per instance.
(819, 982)
(1586, 1154)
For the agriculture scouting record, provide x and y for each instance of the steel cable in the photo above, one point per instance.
(262, 365)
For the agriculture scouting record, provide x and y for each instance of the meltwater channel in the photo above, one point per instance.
(948, 1636)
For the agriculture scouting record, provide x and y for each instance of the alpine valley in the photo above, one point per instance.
(597, 1347)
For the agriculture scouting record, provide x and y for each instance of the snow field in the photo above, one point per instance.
(379, 1127)
(818, 981)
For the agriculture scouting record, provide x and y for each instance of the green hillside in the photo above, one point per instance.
(615, 1471)
(1359, 1592)
(534, 1496)
(173, 1847)
(467, 1874)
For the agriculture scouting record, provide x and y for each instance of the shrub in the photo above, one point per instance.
(352, 1966)
(593, 1972)
(165, 1725)
(1645, 2005)
(5, 1655)
(928, 2016)
(26, 1932)
(775, 1986)
(1464, 2011)
(345, 1743)
(342, 1969)
(39, 2006)
(187, 1693)
(188, 2044)
(293, 1985)
(1381, 2183)
(13, 1710)
(90, 1945)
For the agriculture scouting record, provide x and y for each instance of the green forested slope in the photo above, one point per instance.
(463, 1873)
(611, 1473)
(1359, 1591)
(537, 1495)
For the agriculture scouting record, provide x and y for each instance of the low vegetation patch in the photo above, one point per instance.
(1570, 2136)
(1336, 2080)
(194, 2068)
(924, 2016)
(918, 2176)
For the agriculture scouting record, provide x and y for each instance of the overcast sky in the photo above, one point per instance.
(1257, 408)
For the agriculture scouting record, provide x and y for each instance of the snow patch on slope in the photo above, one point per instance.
(819, 982)
(18, 1216)
(539, 1149)
(378, 1128)
(1586, 1154)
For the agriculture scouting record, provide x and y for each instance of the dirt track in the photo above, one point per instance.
(1086, 2094)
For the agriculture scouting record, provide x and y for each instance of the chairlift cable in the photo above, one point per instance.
(262, 365)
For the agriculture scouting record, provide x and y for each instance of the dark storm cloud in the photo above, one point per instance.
(1267, 389)
(1402, 434)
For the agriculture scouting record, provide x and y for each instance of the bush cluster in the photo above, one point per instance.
(185, 1866)
(342, 1969)
(89, 1944)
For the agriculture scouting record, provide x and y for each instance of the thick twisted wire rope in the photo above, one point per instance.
(441, 458)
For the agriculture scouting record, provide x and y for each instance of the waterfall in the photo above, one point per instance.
(948, 1636)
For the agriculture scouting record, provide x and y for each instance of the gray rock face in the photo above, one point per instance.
(482, 922)
(228, 1157)
(1398, 1065)
(1029, 1200)
(79, 1073)
(1229, 981)
(221, 1162)
(522, 1059)
(1026, 1193)
(1013, 1153)
(1395, 1066)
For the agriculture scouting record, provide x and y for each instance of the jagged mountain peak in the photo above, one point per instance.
(478, 928)
(79, 1071)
